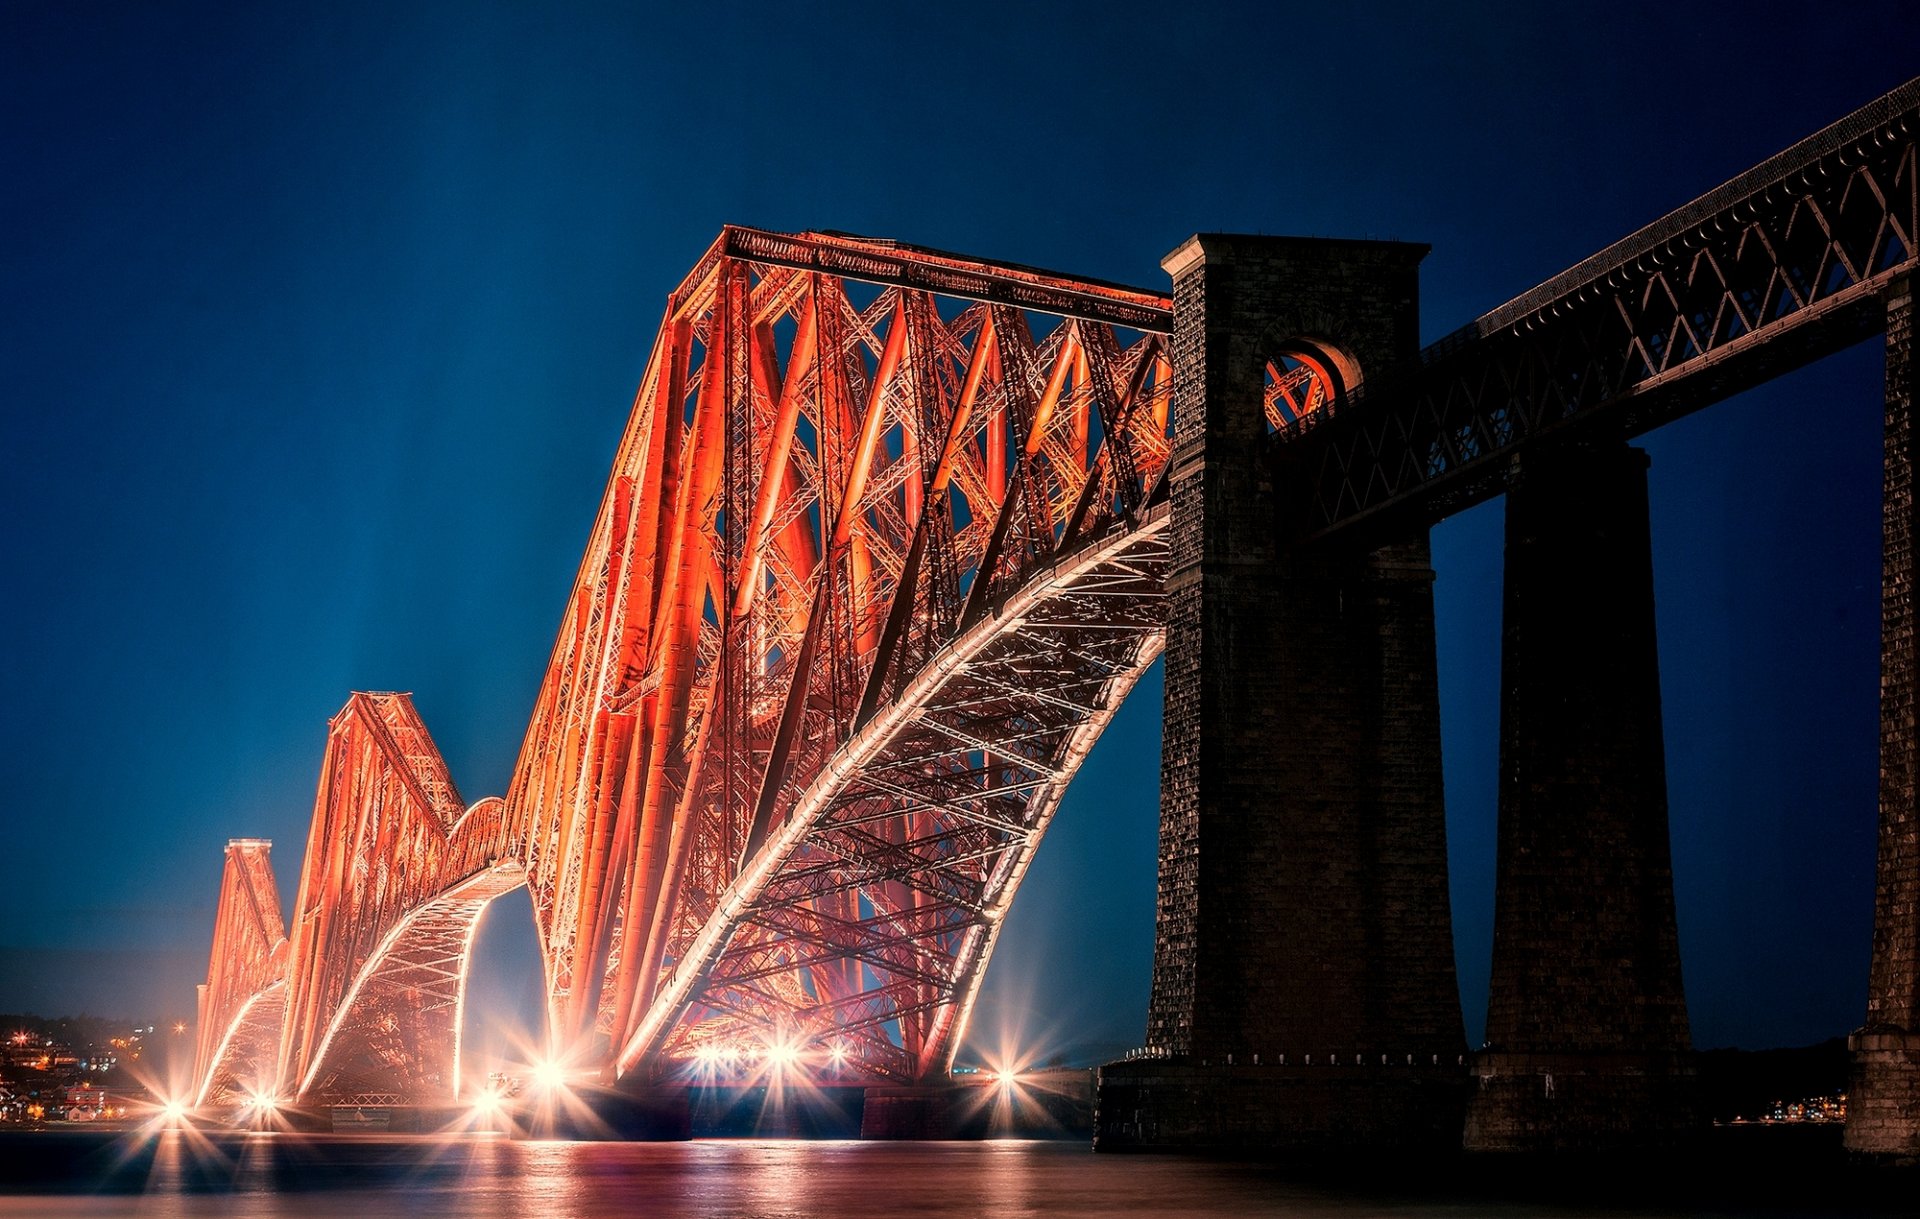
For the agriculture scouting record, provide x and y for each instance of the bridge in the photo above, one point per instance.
(890, 535)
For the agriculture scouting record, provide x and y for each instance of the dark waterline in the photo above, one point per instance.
(302, 1177)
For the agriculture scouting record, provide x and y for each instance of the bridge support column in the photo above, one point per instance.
(629, 1111)
(1883, 1105)
(1304, 993)
(1587, 1040)
(907, 1112)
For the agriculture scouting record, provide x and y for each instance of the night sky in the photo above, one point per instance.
(318, 331)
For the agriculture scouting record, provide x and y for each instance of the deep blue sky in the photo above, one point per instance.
(317, 331)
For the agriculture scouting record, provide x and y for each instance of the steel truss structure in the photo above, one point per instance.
(1784, 264)
(390, 849)
(879, 557)
(398, 1030)
(242, 1000)
(365, 994)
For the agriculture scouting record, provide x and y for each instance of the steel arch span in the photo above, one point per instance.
(397, 1033)
(879, 557)
(902, 854)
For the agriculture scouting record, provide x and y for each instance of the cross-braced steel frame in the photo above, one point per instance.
(365, 997)
(390, 853)
(758, 798)
(398, 1028)
(249, 960)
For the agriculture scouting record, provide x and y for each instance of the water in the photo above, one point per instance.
(303, 1177)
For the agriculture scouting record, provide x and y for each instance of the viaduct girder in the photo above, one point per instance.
(1784, 264)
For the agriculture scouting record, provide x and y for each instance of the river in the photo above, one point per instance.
(185, 1174)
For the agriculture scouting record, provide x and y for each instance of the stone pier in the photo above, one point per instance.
(1883, 1106)
(1304, 993)
(1587, 1039)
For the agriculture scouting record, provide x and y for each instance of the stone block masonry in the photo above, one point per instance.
(1302, 915)
(1883, 1107)
(1587, 1037)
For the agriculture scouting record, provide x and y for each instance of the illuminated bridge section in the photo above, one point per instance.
(396, 875)
(243, 999)
(397, 1038)
(860, 936)
(885, 545)
(879, 556)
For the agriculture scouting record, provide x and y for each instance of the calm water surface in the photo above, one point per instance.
(304, 1177)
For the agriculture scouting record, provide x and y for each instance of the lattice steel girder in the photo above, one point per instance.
(895, 263)
(843, 455)
(389, 841)
(1782, 265)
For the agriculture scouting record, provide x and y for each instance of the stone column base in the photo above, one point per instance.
(1883, 1101)
(656, 1113)
(1582, 1102)
(1169, 1104)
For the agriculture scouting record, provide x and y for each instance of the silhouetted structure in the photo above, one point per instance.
(1300, 858)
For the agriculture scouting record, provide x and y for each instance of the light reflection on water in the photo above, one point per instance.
(181, 1175)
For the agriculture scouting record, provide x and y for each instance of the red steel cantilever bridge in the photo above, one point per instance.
(880, 556)
(889, 536)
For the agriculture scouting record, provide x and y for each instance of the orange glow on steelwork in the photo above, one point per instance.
(882, 550)
(880, 555)
(238, 1039)
(377, 970)
(363, 1003)
(780, 774)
